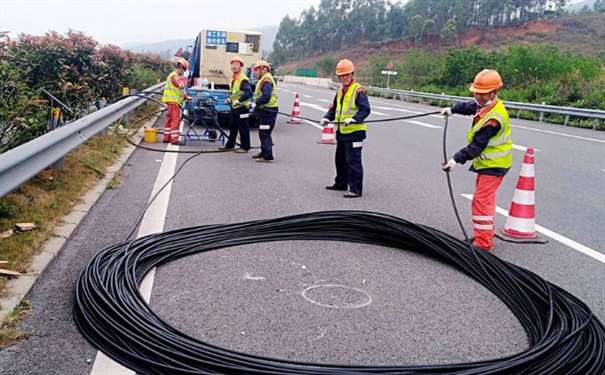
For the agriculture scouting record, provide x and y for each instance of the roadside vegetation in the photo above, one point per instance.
(74, 68)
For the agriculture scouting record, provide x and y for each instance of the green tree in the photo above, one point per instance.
(449, 32)
(416, 27)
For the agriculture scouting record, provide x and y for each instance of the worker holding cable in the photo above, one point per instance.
(241, 93)
(490, 149)
(173, 97)
(265, 109)
(348, 110)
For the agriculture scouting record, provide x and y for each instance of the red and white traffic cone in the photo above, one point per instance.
(521, 221)
(295, 119)
(328, 137)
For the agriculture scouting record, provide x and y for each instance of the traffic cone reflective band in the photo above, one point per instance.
(295, 119)
(327, 135)
(521, 221)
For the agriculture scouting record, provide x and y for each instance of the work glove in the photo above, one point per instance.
(235, 103)
(446, 111)
(252, 105)
(324, 121)
(348, 121)
(449, 166)
(228, 101)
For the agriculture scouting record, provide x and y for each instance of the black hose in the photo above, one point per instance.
(564, 336)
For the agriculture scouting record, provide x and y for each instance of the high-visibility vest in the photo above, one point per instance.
(236, 91)
(172, 93)
(347, 109)
(258, 92)
(499, 150)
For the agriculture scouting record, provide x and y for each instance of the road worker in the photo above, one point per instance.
(489, 148)
(348, 110)
(173, 97)
(265, 109)
(240, 100)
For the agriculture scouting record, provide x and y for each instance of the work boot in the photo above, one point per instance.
(223, 148)
(241, 151)
(350, 194)
(263, 160)
(336, 187)
(258, 156)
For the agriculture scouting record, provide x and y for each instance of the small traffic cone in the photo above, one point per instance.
(295, 119)
(521, 221)
(328, 137)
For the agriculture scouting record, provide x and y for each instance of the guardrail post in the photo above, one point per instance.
(595, 124)
(566, 121)
(126, 91)
(542, 114)
(101, 104)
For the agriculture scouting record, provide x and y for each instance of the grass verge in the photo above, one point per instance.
(50, 195)
(9, 334)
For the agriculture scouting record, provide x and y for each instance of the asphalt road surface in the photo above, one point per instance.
(330, 301)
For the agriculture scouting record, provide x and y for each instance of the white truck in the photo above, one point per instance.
(214, 48)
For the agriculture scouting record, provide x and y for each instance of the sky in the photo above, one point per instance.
(126, 21)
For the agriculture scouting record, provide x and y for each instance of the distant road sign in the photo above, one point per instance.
(389, 72)
(390, 66)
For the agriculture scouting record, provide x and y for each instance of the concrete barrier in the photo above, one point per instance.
(311, 81)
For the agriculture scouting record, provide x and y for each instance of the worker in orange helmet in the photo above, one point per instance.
(348, 110)
(173, 97)
(240, 100)
(489, 148)
(265, 107)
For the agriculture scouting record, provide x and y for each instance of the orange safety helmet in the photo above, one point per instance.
(238, 59)
(344, 66)
(182, 62)
(486, 81)
(261, 63)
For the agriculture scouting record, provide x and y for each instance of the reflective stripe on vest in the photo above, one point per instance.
(347, 109)
(236, 92)
(498, 153)
(172, 93)
(258, 92)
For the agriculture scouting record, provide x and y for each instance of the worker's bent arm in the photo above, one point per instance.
(267, 90)
(479, 142)
(175, 80)
(247, 89)
(363, 104)
(465, 108)
(331, 114)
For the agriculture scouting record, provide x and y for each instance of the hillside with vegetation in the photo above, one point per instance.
(544, 54)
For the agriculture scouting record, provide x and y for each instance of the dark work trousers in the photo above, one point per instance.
(266, 123)
(349, 171)
(238, 123)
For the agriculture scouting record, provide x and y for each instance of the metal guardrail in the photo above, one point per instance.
(568, 112)
(21, 163)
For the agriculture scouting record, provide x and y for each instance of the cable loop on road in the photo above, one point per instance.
(564, 337)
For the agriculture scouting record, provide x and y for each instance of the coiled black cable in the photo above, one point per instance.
(564, 336)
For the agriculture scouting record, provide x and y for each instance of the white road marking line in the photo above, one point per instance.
(306, 96)
(560, 134)
(524, 148)
(324, 100)
(313, 124)
(556, 236)
(419, 123)
(314, 106)
(379, 113)
(153, 222)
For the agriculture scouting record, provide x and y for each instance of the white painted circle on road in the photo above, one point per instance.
(336, 296)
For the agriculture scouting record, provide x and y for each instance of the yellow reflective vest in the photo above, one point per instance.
(346, 108)
(236, 92)
(172, 93)
(258, 91)
(499, 151)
